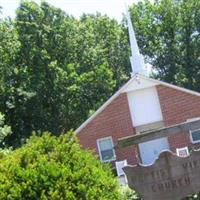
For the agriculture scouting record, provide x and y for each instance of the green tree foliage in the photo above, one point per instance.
(103, 39)
(58, 69)
(55, 168)
(168, 34)
(5, 130)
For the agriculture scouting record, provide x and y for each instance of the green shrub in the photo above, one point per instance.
(193, 197)
(129, 194)
(55, 168)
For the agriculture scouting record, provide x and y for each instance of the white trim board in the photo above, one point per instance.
(171, 86)
(104, 106)
(144, 106)
(143, 82)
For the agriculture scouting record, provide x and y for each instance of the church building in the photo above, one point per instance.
(142, 104)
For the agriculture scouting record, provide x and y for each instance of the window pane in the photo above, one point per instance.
(196, 135)
(105, 144)
(107, 154)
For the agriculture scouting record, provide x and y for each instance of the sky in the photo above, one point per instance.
(113, 8)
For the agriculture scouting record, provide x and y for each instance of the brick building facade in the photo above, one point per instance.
(142, 104)
(115, 119)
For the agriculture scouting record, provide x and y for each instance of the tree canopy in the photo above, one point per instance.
(56, 70)
(168, 35)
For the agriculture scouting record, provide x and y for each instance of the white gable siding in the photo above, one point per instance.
(139, 84)
(135, 83)
(144, 106)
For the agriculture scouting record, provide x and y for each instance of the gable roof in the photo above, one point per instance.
(137, 82)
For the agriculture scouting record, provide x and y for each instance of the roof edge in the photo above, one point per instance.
(83, 125)
(172, 86)
(114, 96)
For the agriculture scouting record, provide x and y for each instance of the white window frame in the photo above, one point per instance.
(99, 149)
(191, 138)
(119, 165)
(178, 151)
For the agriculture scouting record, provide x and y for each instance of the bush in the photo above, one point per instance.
(129, 194)
(55, 168)
(193, 197)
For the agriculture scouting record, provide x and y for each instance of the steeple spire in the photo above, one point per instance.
(136, 59)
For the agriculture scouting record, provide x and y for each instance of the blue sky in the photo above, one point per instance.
(113, 8)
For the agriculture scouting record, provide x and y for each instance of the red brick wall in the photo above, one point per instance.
(178, 106)
(115, 121)
(179, 140)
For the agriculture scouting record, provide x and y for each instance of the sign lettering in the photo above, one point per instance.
(170, 177)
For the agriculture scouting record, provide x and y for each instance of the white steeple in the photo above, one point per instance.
(137, 59)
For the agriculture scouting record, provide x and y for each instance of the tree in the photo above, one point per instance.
(104, 39)
(9, 88)
(56, 168)
(190, 41)
(168, 35)
(55, 70)
(5, 130)
(51, 84)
